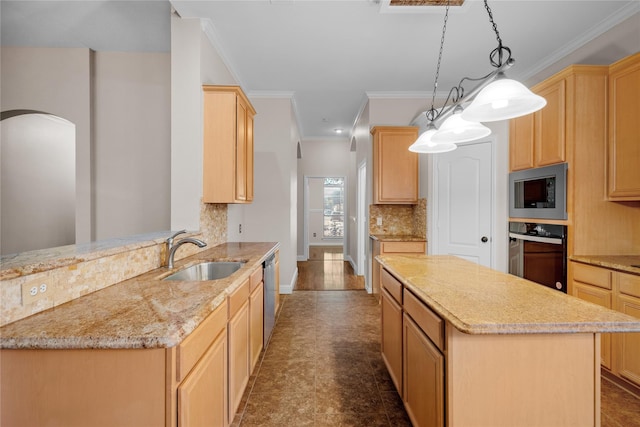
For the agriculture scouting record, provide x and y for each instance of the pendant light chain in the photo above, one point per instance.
(500, 49)
(431, 114)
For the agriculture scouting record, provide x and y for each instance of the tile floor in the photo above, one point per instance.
(323, 367)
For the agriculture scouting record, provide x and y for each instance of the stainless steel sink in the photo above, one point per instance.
(207, 271)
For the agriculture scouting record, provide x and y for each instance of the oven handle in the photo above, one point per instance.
(552, 240)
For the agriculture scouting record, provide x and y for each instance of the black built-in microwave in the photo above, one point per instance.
(539, 193)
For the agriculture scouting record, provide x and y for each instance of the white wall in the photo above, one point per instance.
(120, 105)
(131, 159)
(272, 217)
(320, 158)
(56, 81)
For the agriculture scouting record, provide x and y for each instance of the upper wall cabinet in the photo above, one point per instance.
(227, 146)
(538, 139)
(395, 168)
(624, 129)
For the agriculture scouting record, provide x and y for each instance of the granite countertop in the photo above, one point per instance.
(479, 300)
(625, 263)
(397, 238)
(142, 312)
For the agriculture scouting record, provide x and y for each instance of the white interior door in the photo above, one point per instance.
(463, 202)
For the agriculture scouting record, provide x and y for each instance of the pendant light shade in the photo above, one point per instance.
(456, 129)
(503, 99)
(424, 144)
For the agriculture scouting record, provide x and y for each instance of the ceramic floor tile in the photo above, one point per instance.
(279, 409)
(352, 420)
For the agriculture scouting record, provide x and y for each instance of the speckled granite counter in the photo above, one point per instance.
(397, 238)
(142, 312)
(479, 300)
(626, 263)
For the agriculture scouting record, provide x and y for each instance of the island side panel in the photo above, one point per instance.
(524, 380)
(119, 387)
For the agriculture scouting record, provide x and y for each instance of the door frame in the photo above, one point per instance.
(361, 218)
(306, 214)
(433, 237)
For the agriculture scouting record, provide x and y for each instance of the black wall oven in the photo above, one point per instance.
(538, 252)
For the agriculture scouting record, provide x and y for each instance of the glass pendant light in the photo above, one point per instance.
(456, 129)
(503, 99)
(424, 144)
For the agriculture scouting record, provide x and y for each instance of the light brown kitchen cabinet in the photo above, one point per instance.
(227, 145)
(594, 284)
(256, 318)
(181, 386)
(238, 335)
(539, 139)
(521, 138)
(628, 344)
(423, 377)
(381, 247)
(202, 396)
(391, 327)
(395, 168)
(621, 292)
(624, 129)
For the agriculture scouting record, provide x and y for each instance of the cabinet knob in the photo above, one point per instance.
(484, 239)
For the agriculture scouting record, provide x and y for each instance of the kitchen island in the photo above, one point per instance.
(141, 352)
(469, 346)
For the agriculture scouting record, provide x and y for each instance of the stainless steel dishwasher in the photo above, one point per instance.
(269, 266)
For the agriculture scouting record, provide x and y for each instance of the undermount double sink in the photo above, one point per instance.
(207, 271)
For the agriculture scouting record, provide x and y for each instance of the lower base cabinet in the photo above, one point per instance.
(202, 396)
(238, 333)
(391, 313)
(423, 393)
(618, 291)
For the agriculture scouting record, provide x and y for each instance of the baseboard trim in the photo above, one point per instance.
(302, 258)
(353, 264)
(288, 289)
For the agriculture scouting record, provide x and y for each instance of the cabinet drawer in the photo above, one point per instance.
(392, 285)
(193, 347)
(430, 323)
(238, 298)
(629, 284)
(256, 278)
(591, 275)
(402, 247)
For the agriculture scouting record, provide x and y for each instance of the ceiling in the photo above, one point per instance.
(330, 56)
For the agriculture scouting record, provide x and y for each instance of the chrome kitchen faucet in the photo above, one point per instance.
(172, 248)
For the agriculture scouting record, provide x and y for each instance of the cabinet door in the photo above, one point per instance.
(256, 330)
(202, 396)
(624, 128)
(249, 171)
(601, 297)
(550, 126)
(241, 152)
(423, 378)
(238, 357)
(521, 143)
(395, 168)
(392, 338)
(628, 348)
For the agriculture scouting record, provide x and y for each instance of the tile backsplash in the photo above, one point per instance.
(399, 220)
(73, 271)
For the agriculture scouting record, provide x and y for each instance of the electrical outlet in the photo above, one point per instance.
(379, 220)
(314, 234)
(239, 228)
(33, 291)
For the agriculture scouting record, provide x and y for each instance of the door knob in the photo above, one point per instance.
(484, 239)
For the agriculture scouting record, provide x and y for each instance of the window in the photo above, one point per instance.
(333, 208)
